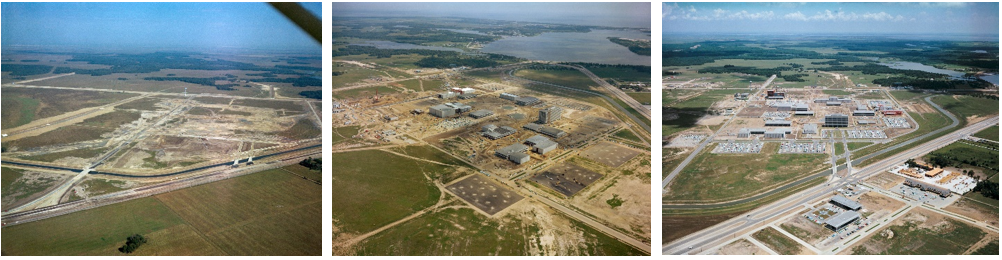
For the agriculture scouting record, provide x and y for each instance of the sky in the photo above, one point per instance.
(832, 18)
(635, 15)
(153, 26)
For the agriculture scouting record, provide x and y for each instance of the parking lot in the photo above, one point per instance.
(896, 122)
(813, 147)
(567, 178)
(865, 134)
(743, 147)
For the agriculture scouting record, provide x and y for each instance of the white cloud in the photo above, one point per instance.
(673, 12)
(798, 16)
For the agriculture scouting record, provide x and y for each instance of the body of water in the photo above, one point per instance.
(573, 47)
(464, 31)
(994, 79)
(397, 45)
(907, 65)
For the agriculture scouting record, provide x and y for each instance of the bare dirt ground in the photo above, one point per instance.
(975, 210)
(741, 247)
(805, 229)
(885, 180)
(711, 120)
(609, 154)
(634, 214)
(33, 178)
(487, 196)
(879, 204)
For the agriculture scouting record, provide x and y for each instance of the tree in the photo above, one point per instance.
(132, 243)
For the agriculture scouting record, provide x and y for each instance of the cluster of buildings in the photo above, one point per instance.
(844, 218)
(448, 109)
(517, 152)
(521, 101)
(779, 132)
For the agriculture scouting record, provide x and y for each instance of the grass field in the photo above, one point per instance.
(836, 92)
(146, 103)
(63, 135)
(856, 145)
(465, 232)
(965, 106)
(24, 105)
(79, 153)
(266, 213)
(628, 135)
(272, 104)
(364, 92)
(720, 177)
(777, 241)
(15, 188)
(340, 134)
(101, 186)
(567, 78)
(989, 249)
(373, 188)
(303, 129)
(991, 133)
(413, 84)
(642, 97)
(621, 74)
(112, 120)
(953, 237)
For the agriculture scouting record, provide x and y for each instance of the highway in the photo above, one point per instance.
(646, 112)
(708, 237)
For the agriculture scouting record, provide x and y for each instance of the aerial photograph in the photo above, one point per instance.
(161, 129)
(830, 128)
(491, 129)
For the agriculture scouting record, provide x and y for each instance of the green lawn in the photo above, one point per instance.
(991, 133)
(373, 188)
(777, 241)
(642, 97)
(719, 177)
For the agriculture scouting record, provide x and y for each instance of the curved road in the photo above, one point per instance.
(511, 73)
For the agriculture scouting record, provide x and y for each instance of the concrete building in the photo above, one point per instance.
(526, 101)
(445, 95)
(863, 113)
(836, 120)
(464, 90)
(546, 130)
(481, 113)
(833, 103)
(803, 113)
(467, 96)
(441, 111)
(515, 153)
(549, 115)
(865, 122)
(778, 123)
(783, 106)
(943, 192)
(893, 112)
(540, 144)
(811, 129)
(801, 107)
(507, 96)
(747, 132)
(741, 96)
(846, 203)
(841, 220)
(777, 133)
(494, 132)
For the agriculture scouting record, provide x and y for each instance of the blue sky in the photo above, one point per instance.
(636, 15)
(837, 18)
(153, 26)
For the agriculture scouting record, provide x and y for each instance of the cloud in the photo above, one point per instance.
(675, 12)
(798, 16)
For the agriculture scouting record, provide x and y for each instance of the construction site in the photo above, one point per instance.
(516, 146)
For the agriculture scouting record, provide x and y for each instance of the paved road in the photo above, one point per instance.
(511, 73)
(708, 237)
(646, 112)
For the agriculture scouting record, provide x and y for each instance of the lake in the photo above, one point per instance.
(907, 65)
(573, 47)
(397, 45)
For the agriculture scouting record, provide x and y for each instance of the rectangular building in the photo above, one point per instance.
(549, 115)
(515, 153)
(526, 101)
(481, 113)
(493, 132)
(836, 120)
(811, 129)
(863, 113)
(841, 220)
(442, 111)
(803, 113)
(507, 96)
(846, 203)
(540, 144)
(778, 123)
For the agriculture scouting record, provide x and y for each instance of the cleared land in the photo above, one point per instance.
(609, 154)
(921, 232)
(778, 242)
(567, 178)
(487, 196)
(23, 105)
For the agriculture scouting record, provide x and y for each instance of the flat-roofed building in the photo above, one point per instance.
(540, 144)
(515, 153)
(778, 123)
(811, 129)
(526, 101)
(846, 203)
(777, 133)
(865, 122)
(493, 132)
(943, 192)
(481, 113)
(442, 111)
(801, 107)
(508, 96)
(841, 220)
(836, 120)
(803, 113)
(747, 132)
(546, 130)
(863, 113)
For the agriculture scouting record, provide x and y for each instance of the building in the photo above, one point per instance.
(515, 153)
(773, 94)
(803, 113)
(546, 130)
(801, 107)
(783, 106)
(811, 129)
(481, 113)
(445, 95)
(526, 101)
(865, 122)
(741, 96)
(863, 113)
(836, 120)
(777, 133)
(441, 111)
(507, 96)
(467, 96)
(943, 192)
(833, 103)
(778, 123)
(540, 144)
(893, 112)
(846, 203)
(747, 132)
(841, 220)
(549, 115)
(463, 90)
(494, 132)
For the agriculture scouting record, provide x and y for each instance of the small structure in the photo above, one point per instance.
(777, 133)
(540, 144)
(803, 113)
(526, 101)
(494, 132)
(546, 130)
(846, 203)
(801, 107)
(863, 113)
(865, 122)
(481, 113)
(893, 112)
(741, 96)
(446, 95)
(747, 132)
(467, 96)
(841, 220)
(811, 129)
(777, 123)
(507, 96)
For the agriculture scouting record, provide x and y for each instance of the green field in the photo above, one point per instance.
(364, 92)
(836, 92)
(690, 110)
(79, 153)
(991, 133)
(16, 190)
(621, 74)
(567, 78)
(266, 213)
(465, 232)
(373, 188)
(148, 103)
(642, 97)
(412, 84)
(24, 105)
(341, 134)
(101, 186)
(303, 129)
(856, 145)
(965, 106)
(628, 135)
(112, 120)
(63, 135)
(988, 249)
(953, 238)
(720, 177)
(777, 241)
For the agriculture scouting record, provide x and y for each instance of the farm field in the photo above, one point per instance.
(265, 213)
